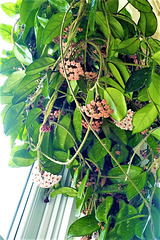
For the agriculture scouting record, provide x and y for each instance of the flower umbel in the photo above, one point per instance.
(97, 109)
(126, 123)
(44, 179)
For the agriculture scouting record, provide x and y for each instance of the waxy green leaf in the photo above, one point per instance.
(83, 185)
(101, 21)
(156, 57)
(154, 89)
(12, 116)
(32, 116)
(92, 14)
(148, 23)
(39, 65)
(77, 122)
(22, 53)
(10, 9)
(141, 5)
(23, 158)
(53, 27)
(61, 5)
(103, 209)
(129, 46)
(138, 79)
(144, 117)
(140, 182)
(5, 32)
(83, 226)
(67, 191)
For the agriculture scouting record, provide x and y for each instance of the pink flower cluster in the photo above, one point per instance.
(97, 109)
(73, 70)
(45, 128)
(126, 123)
(91, 75)
(95, 125)
(44, 179)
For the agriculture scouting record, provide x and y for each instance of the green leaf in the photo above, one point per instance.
(83, 226)
(153, 144)
(117, 102)
(156, 198)
(83, 184)
(148, 23)
(64, 139)
(32, 116)
(52, 167)
(9, 65)
(60, 155)
(23, 158)
(144, 117)
(141, 5)
(5, 32)
(156, 134)
(129, 46)
(154, 89)
(46, 145)
(116, 74)
(10, 9)
(140, 182)
(70, 192)
(53, 27)
(39, 65)
(90, 96)
(116, 27)
(123, 70)
(22, 53)
(77, 122)
(97, 151)
(156, 57)
(81, 201)
(120, 176)
(114, 188)
(26, 7)
(143, 95)
(101, 21)
(120, 152)
(103, 209)
(61, 5)
(139, 79)
(25, 87)
(10, 118)
(42, 21)
(75, 89)
(92, 14)
(12, 81)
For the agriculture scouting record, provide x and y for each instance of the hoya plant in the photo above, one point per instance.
(83, 93)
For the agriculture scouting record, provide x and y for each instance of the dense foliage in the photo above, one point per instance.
(83, 92)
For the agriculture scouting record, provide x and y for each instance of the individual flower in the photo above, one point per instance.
(96, 125)
(44, 179)
(97, 109)
(144, 132)
(126, 123)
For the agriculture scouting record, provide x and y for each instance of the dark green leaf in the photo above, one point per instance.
(22, 53)
(120, 152)
(152, 143)
(71, 192)
(32, 116)
(140, 182)
(156, 198)
(10, 9)
(148, 23)
(52, 167)
(103, 209)
(5, 32)
(120, 176)
(25, 87)
(139, 79)
(97, 151)
(77, 122)
(144, 117)
(92, 14)
(129, 46)
(10, 118)
(61, 5)
(53, 27)
(23, 158)
(141, 5)
(83, 226)
(39, 65)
